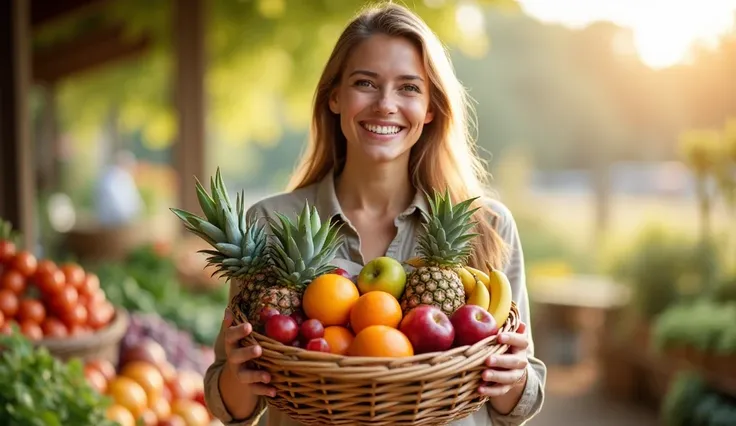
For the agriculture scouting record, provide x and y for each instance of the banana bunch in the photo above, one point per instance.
(493, 293)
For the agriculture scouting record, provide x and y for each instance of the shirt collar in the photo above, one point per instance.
(328, 205)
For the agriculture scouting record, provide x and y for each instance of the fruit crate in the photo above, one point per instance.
(437, 388)
(103, 344)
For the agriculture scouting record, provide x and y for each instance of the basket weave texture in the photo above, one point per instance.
(316, 388)
(103, 344)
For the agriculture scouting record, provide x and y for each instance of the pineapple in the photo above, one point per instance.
(302, 251)
(240, 244)
(443, 246)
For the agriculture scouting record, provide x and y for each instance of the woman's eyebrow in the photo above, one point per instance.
(374, 74)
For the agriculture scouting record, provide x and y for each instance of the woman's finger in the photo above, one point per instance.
(494, 390)
(234, 334)
(508, 361)
(508, 377)
(242, 355)
(264, 390)
(518, 341)
(251, 377)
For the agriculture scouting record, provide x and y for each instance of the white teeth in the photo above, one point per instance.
(382, 130)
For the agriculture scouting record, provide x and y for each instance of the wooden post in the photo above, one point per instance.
(17, 177)
(189, 34)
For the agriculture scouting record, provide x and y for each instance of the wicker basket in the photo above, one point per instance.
(103, 344)
(316, 388)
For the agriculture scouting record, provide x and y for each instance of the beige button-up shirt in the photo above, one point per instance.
(349, 257)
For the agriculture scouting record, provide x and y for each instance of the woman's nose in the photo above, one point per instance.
(385, 104)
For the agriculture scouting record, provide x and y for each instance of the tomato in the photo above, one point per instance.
(46, 266)
(8, 303)
(74, 274)
(25, 263)
(7, 251)
(31, 310)
(95, 379)
(98, 316)
(13, 281)
(77, 315)
(91, 284)
(64, 301)
(31, 330)
(104, 366)
(50, 282)
(2, 318)
(54, 328)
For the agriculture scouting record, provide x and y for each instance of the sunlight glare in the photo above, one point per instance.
(663, 31)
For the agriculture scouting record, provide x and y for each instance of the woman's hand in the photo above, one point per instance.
(238, 356)
(507, 371)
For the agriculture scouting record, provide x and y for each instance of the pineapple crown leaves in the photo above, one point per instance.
(237, 237)
(303, 250)
(447, 231)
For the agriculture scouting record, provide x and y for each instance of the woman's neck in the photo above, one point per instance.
(380, 188)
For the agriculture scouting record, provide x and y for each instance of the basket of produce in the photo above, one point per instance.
(59, 306)
(402, 343)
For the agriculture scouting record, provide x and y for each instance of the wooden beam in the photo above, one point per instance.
(189, 21)
(45, 11)
(17, 178)
(90, 51)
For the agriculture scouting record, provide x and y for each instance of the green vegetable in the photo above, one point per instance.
(39, 390)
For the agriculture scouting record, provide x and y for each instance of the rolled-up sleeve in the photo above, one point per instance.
(532, 398)
(212, 395)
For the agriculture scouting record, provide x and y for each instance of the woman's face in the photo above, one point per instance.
(382, 99)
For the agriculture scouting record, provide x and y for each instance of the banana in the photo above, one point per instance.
(416, 262)
(482, 276)
(500, 289)
(468, 280)
(480, 296)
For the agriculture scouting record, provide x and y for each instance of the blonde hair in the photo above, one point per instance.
(444, 155)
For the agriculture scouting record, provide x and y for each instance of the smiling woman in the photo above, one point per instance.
(390, 126)
(383, 103)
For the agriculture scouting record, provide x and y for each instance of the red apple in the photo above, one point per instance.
(472, 324)
(267, 313)
(428, 329)
(318, 345)
(312, 329)
(342, 272)
(282, 328)
(299, 317)
(522, 327)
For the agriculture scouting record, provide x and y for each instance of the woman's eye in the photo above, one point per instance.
(412, 88)
(363, 83)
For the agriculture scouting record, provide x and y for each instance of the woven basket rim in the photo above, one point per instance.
(489, 343)
(110, 334)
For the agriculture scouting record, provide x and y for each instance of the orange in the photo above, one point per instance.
(146, 375)
(375, 308)
(329, 299)
(339, 339)
(120, 415)
(381, 341)
(128, 393)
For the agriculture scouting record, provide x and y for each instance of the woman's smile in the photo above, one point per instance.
(382, 130)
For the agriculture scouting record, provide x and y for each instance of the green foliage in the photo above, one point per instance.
(661, 267)
(690, 402)
(39, 390)
(263, 62)
(147, 282)
(706, 325)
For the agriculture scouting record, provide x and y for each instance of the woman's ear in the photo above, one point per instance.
(334, 102)
(429, 116)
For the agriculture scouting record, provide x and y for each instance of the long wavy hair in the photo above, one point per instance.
(443, 157)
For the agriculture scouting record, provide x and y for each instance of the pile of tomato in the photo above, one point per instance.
(48, 300)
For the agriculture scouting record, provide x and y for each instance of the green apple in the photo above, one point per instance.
(382, 274)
